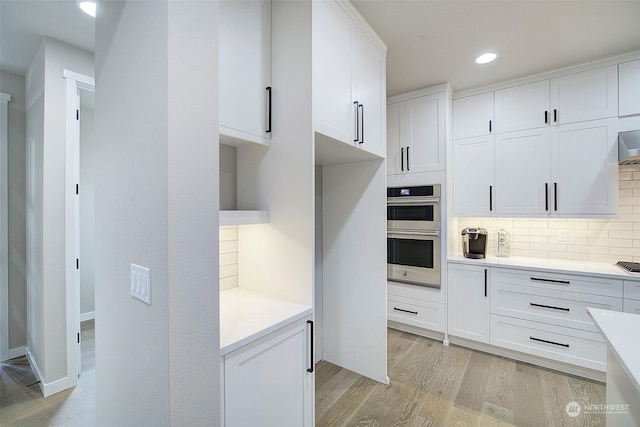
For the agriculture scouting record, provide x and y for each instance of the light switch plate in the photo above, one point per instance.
(141, 283)
(562, 235)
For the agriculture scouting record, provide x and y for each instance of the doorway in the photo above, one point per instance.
(79, 214)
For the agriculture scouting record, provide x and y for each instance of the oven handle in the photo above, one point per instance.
(414, 233)
(412, 202)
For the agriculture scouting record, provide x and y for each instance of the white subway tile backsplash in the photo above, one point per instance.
(228, 257)
(602, 240)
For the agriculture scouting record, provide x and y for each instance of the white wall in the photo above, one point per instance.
(157, 206)
(87, 210)
(13, 84)
(588, 239)
(45, 93)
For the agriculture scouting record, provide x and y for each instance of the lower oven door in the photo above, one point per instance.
(414, 257)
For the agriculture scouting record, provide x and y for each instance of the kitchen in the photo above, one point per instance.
(282, 246)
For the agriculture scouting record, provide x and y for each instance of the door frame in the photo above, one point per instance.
(73, 83)
(4, 226)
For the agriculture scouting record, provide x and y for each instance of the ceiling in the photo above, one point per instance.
(429, 41)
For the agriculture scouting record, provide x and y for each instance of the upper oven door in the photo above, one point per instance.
(407, 214)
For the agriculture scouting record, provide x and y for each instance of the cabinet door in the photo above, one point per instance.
(395, 135)
(266, 383)
(588, 95)
(522, 172)
(369, 84)
(473, 173)
(584, 168)
(629, 90)
(425, 133)
(332, 76)
(522, 107)
(245, 68)
(473, 116)
(468, 302)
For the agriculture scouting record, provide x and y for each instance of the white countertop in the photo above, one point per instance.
(620, 330)
(553, 265)
(246, 316)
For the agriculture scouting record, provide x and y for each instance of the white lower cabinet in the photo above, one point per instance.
(423, 314)
(267, 382)
(468, 302)
(631, 306)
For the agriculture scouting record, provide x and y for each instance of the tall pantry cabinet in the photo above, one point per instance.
(277, 260)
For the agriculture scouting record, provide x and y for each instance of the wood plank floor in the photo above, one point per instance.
(22, 404)
(434, 385)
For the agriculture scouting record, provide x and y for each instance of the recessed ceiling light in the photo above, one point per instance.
(485, 58)
(87, 6)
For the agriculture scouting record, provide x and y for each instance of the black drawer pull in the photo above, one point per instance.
(548, 306)
(405, 311)
(562, 282)
(549, 342)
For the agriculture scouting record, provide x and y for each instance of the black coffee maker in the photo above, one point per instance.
(474, 243)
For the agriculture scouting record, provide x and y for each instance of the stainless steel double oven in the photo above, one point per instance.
(413, 235)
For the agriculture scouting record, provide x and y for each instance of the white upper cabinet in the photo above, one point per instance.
(588, 95)
(245, 71)
(522, 172)
(473, 176)
(332, 50)
(629, 88)
(522, 107)
(416, 134)
(349, 77)
(369, 86)
(473, 116)
(584, 168)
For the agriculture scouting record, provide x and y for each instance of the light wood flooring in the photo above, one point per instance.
(434, 385)
(430, 385)
(22, 404)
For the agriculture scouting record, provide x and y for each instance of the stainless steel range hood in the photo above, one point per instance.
(629, 147)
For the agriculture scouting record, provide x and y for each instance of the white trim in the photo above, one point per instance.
(4, 227)
(48, 389)
(431, 90)
(90, 315)
(17, 352)
(73, 82)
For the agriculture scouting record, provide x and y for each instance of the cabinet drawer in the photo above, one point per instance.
(631, 306)
(549, 306)
(558, 281)
(581, 348)
(631, 289)
(413, 292)
(423, 314)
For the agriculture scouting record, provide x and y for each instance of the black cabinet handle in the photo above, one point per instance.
(546, 196)
(361, 107)
(548, 306)
(485, 282)
(555, 115)
(310, 322)
(408, 159)
(268, 109)
(489, 126)
(546, 117)
(549, 342)
(560, 282)
(555, 196)
(491, 197)
(357, 121)
(405, 311)
(402, 159)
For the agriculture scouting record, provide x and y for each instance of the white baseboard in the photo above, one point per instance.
(87, 316)
(17, 352)
(47, 389)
